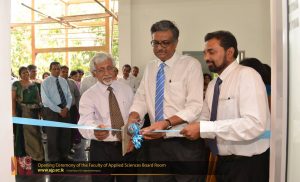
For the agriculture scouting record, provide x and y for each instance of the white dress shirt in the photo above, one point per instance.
(94, 107)
(137, 81)
(131, 81)
(87, 83)
(243, 112)
(183, 95)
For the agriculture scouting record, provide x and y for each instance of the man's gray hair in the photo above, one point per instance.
(165, 25)
(100, 57)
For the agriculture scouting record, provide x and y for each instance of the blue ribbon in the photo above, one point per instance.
(135, 129)
(37, 122)
(265, 135)
(137, 139)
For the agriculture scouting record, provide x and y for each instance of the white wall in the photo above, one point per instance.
(248, 20)
(6, 134)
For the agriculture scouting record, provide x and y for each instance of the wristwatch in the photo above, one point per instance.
(169, 124)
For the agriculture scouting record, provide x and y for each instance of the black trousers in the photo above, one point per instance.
(243, 169)
(177, 149)
(109, 152)
(58, 139)
(74, 117)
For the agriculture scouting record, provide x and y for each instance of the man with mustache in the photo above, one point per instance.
(105, 105)
(57, 101)
(235, 114)
(171, 93)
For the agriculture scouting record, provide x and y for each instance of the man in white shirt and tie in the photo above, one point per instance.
(171, 92)
(105, 105)
(57, 100)
(235, 114)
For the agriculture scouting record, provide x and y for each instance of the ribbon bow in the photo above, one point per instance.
(137, 139)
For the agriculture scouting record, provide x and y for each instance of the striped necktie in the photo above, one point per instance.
(116, 118)
(159, 95)
(212, 143)
(61, 94)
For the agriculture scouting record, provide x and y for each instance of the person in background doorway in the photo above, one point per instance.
(45, 75)
(262, 70)
(207, 79)
(135, 74)
(81, 73)
(74, 114)
(33, 75)
(135, 71)
(127, 78)
(75, 76)
(88, 81)
(116, 72)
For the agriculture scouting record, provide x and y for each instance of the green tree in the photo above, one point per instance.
(20, 51)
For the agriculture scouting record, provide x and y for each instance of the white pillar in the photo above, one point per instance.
(124, 33)
(6, 132)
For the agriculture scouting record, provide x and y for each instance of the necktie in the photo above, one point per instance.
(159, 95)
(212, 143)
(61, 94)
(115, 114)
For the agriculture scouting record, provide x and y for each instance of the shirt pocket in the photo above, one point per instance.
(177, 92)
(227, 107)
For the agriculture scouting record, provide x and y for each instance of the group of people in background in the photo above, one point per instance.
(30, 96)
(42, 99)
(219, 117)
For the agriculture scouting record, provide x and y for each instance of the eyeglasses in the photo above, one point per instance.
(102, 70)
(164, 43)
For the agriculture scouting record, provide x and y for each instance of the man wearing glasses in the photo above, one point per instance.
(171, 93)
(105, 105)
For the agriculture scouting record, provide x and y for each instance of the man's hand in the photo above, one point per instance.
(64, 112)
(130, 146)
(148, 133)
(133, 118)
(191, 131)
(101, 134)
